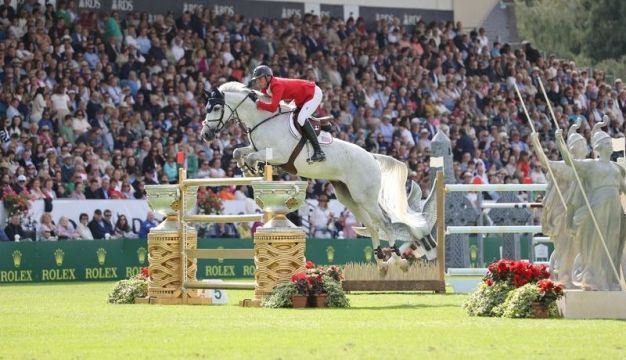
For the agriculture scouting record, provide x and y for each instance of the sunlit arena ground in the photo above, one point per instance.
(73, 321)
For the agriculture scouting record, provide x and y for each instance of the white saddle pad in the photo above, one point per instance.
(324, 138)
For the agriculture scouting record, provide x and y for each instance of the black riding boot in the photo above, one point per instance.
(309, 132)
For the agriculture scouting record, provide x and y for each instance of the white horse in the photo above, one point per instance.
(371, 186)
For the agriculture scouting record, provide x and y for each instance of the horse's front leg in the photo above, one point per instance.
(240, 155)
(254, 158)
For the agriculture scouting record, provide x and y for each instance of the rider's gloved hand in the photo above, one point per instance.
(253, 96)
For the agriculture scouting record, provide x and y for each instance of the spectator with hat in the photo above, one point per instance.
(20, 186)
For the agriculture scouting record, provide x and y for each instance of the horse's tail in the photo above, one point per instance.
(392, 185)
(393, 200)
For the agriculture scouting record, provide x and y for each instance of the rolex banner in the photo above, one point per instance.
(100, 260)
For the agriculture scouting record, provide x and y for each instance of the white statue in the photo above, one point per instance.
(603, 182)
(556, 221)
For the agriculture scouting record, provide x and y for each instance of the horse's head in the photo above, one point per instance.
(217, 114)
(220, 109)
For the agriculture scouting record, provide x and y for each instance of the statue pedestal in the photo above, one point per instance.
(579, 304)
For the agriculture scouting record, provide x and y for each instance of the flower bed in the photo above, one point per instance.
(314, 287)
(515, 289)
(125, 291)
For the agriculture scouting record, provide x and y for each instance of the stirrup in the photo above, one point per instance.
(317, 157)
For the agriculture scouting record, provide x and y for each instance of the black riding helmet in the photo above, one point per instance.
(261, 70)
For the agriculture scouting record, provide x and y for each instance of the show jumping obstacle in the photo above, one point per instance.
(280, 252)
(174, 243)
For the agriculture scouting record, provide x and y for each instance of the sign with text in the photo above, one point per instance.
(107, 260)
(264, 9)
(408, 16)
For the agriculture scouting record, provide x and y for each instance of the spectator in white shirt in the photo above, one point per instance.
(216, 170)
(66, 229)
(114, 91)
(80, 125)
(83, 228)
(483, 40)
(322, 219)
(60, 103)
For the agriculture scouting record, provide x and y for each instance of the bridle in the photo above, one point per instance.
(217, 98)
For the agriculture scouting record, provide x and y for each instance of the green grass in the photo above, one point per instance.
(69, 321)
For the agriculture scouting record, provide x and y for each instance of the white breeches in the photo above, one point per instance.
(310, 106)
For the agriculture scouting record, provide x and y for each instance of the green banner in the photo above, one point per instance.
(119, 259)
(100, 260)
(71, 260)
(320, 251)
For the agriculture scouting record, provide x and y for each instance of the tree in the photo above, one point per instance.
(554, 26)
(605, 38)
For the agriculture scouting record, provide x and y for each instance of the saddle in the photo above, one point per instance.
(319, 124)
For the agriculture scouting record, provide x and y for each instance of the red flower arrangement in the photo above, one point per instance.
(549, 291)
(144, 274)
(15, 204)
(311, 281)
(209, 203)
(302, 283)
(516, 272)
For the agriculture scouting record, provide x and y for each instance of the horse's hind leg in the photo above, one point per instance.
(379, 221)
(344, 196)
(366, 200)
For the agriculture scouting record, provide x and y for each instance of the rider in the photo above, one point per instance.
(306, 94)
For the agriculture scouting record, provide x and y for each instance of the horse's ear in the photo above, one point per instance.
(205, 95)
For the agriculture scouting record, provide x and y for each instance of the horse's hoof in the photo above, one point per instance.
(404, 265)
(383, 268)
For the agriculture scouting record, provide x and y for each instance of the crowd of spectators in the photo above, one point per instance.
(96, 106)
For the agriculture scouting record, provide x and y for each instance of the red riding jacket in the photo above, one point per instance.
(298, 90)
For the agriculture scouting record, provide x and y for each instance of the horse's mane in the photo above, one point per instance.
(236, 86)
(233, 86)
